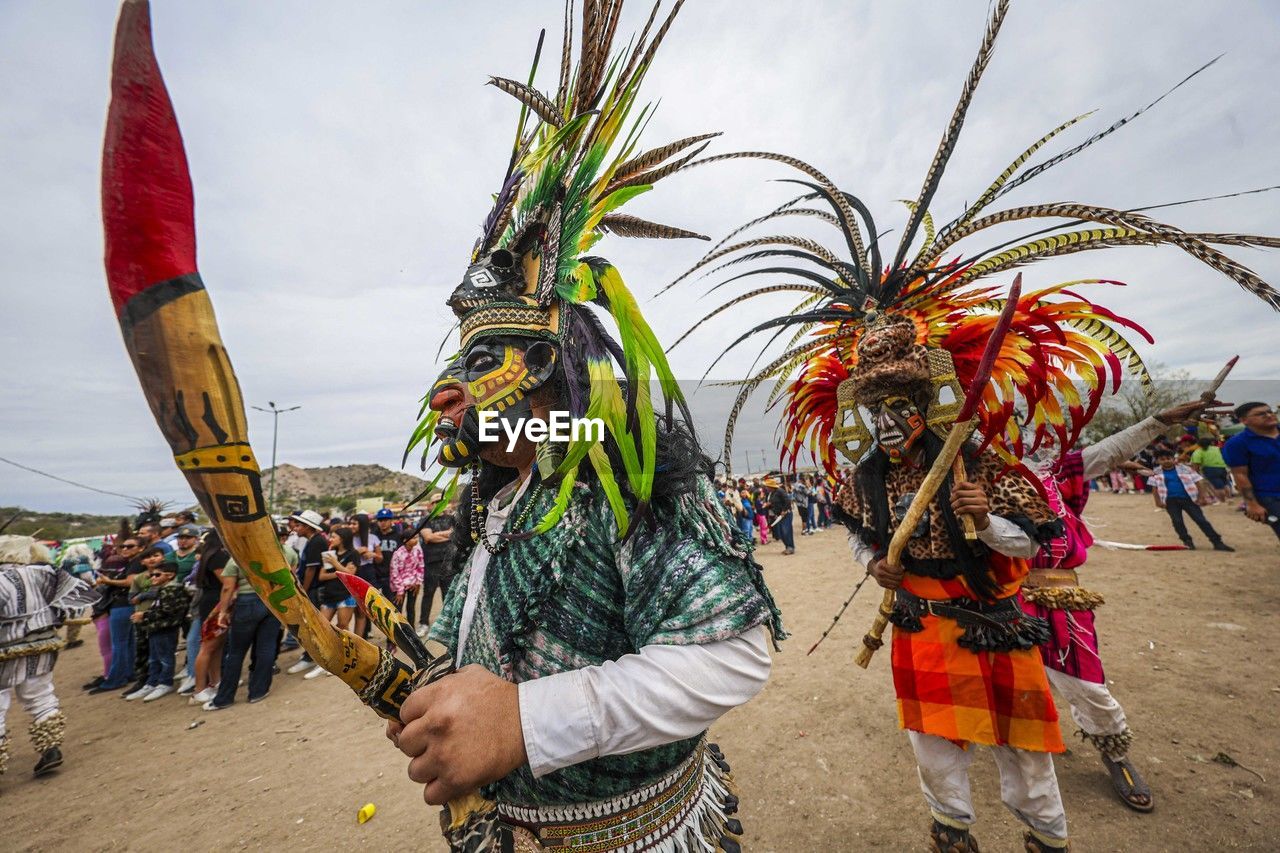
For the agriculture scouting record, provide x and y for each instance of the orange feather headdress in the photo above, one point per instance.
(1064, 351)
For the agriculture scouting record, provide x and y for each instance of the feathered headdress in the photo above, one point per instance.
(1059, 338)
(575, 162)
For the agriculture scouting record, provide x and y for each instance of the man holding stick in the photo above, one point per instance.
(965, 665)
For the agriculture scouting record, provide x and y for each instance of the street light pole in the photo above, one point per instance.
(275, 432)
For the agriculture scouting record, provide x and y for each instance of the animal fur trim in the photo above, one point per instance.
(4, 754)
(1114, 746)
(48, 733)
(1063, 597)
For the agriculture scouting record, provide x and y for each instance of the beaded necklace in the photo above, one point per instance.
(478, 533)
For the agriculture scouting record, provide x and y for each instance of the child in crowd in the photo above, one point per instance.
(1176, 492)
(161, 623)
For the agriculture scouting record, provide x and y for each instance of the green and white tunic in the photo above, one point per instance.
(576, 597)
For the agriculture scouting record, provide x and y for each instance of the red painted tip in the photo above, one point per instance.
(147, 208)
(355, 585)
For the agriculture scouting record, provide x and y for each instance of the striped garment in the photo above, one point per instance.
(35, 600)
(1186, 474)
(576, 597)
(944, 689)
(1073, 640)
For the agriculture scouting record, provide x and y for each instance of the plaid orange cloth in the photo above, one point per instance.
(996, 698)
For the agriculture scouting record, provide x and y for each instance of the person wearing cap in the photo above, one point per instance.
(169, 530)
(186, 550)
(779, 504)
(309, 527)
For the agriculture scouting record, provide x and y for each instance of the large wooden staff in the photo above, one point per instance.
(942, 466)
(172, 337)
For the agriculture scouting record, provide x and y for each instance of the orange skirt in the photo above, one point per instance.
(944, 689)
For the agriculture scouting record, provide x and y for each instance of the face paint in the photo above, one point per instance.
(493, 374)
(898, 424)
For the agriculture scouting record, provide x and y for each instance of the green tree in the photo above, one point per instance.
(1136, 402)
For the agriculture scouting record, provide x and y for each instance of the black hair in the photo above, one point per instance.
(362, 528)
(1245, 408)
(1162, 452)
(870, 479)
(150, 551)
(348, 536)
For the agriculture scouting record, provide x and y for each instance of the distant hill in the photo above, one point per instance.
(338, 485)
(322, 489)
(58, 525)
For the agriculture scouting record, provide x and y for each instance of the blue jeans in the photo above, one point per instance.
(784, 532)
(1273, 508)
(747, 526)
(252, 626)
(193, 647)
(122, 647)
(164, 647)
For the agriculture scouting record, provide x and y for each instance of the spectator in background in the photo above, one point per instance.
(779, 504)
(142, 596)
(114, 580)
(390, 533)
(800, 497)
(435, 535)
(149, 534)
(186, 551)
(1254, 457)
(367, 545)
(249, 624)
(161, 623)
(1176, 492)
(342, 557)
(1206, 460)
(169, 530)
(747, 518)
(407, 572)
(205, 642)
(309, 529)
(758, 499)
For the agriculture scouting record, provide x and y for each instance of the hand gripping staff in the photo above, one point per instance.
(172, 337)
(949, 453)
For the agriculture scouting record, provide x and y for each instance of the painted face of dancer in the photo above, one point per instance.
(899, 423)
(493, 374)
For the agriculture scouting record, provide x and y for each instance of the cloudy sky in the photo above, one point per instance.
(343, 155)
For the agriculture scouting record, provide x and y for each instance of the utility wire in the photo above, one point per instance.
(68, 482)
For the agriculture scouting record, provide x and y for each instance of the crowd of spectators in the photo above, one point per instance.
(170, 587)
(766, 507)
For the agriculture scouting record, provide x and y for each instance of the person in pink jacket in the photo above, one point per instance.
(406, 574)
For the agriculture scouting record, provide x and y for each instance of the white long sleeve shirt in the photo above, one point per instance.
(1100, 458)
(659, 695)
(1000, 535)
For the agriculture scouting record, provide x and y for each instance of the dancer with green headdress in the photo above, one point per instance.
(609, 609)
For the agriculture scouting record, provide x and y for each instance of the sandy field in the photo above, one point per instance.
(818, 755)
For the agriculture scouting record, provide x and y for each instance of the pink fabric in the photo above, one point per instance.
(1071, 549)
(103, 626)
(406, 569)
(762, 524)
(1073, 645)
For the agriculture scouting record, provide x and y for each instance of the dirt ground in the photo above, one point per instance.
(818, 755)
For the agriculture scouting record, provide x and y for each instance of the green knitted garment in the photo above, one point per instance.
(577, 597)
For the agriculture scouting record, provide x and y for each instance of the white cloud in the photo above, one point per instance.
(343, 157)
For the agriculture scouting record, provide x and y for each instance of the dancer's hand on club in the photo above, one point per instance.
(1190, 410)
(968, 498)
(886, 574)
(460, 732)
